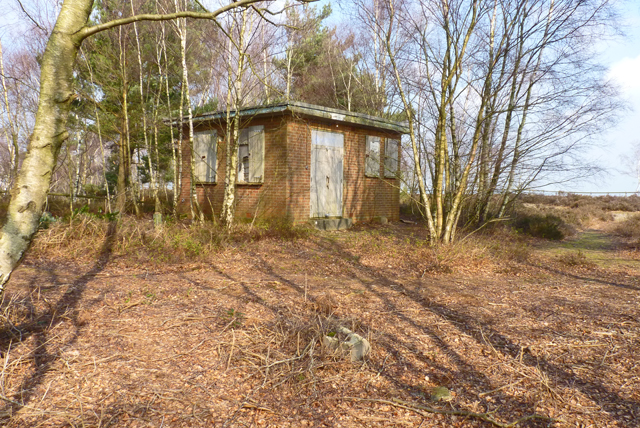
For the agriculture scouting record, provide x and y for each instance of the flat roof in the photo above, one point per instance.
(309, 110)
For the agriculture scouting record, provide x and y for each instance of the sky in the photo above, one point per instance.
(616, 147)
(612, 150)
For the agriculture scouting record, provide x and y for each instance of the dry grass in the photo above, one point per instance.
(628, 228)
(585, 202)
(97, 332)
(575, 258)
(82, 237)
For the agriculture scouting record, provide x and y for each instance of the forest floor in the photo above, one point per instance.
(512, 327)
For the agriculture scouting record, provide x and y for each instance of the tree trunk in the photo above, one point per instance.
(233, 129)
(78, 160)
(31, 186)
(424, 197)
(29, 191)
(121, 187)
(104, 158)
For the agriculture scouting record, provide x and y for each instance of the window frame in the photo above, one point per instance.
(203, 168)
(244, 141)
(371, 164)
(388, 171)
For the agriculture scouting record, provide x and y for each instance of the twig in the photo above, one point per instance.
(233, 342)
(4, 367)
(26, 406)
(233, 320)
(379, 371)
(186, 320)
(490, 221)
(130, 305)
(253, 406)
(102, 360)
(181, 354)
(482, 394)
(424, 410)
(489, 343)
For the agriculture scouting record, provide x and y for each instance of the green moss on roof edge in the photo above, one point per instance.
(310, 110)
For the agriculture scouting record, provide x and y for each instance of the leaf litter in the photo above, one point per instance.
(235, 339)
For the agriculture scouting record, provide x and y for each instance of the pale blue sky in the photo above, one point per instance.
(617, 146)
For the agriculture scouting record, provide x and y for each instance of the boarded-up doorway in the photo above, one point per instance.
(327, 153)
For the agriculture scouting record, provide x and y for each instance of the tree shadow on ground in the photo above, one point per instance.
(484, 334)
(38, 326)
(390, 343)
(585, 278)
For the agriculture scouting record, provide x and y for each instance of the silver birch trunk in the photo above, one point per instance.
(104, 159)
(157, 216)
(424, 197)
(233, 129)
(77, 161)
(196, 212)
(29, 191)
(515, 161)
(176, 152)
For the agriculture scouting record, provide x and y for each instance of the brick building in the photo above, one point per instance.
(299, 161)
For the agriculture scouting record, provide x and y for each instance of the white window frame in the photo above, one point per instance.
(372, 157)
(251, 155)
(205, 147)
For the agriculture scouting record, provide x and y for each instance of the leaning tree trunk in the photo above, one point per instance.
(29, 191)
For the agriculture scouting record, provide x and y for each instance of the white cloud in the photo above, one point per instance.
(626, 72)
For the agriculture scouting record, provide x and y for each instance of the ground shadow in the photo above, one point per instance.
(38, 326)
(482, 333)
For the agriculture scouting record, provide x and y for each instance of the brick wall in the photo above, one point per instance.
(286, 188)
(267, 199)
(363, 197)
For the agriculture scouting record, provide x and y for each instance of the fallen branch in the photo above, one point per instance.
(424, 410)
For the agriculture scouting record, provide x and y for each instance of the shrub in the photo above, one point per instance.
(629, 228)
(278, 228)
(547, 226)
(575, 258)
(604, 202)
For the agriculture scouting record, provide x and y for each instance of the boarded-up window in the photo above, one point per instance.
(391, 158)
(251, 155)
(205, 147)
(372, 157)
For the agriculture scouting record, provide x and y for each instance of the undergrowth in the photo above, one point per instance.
(629, 228)
(585, 203)
(87, 236)
(547, 226)
(399, 251)
(575, 259)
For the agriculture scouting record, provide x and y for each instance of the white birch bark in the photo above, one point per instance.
(29, 192)
(104, 159)
(234, 100)
(147, 146)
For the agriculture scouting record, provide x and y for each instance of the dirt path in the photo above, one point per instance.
(596, 246)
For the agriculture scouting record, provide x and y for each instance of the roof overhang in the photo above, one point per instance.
(309, 111)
